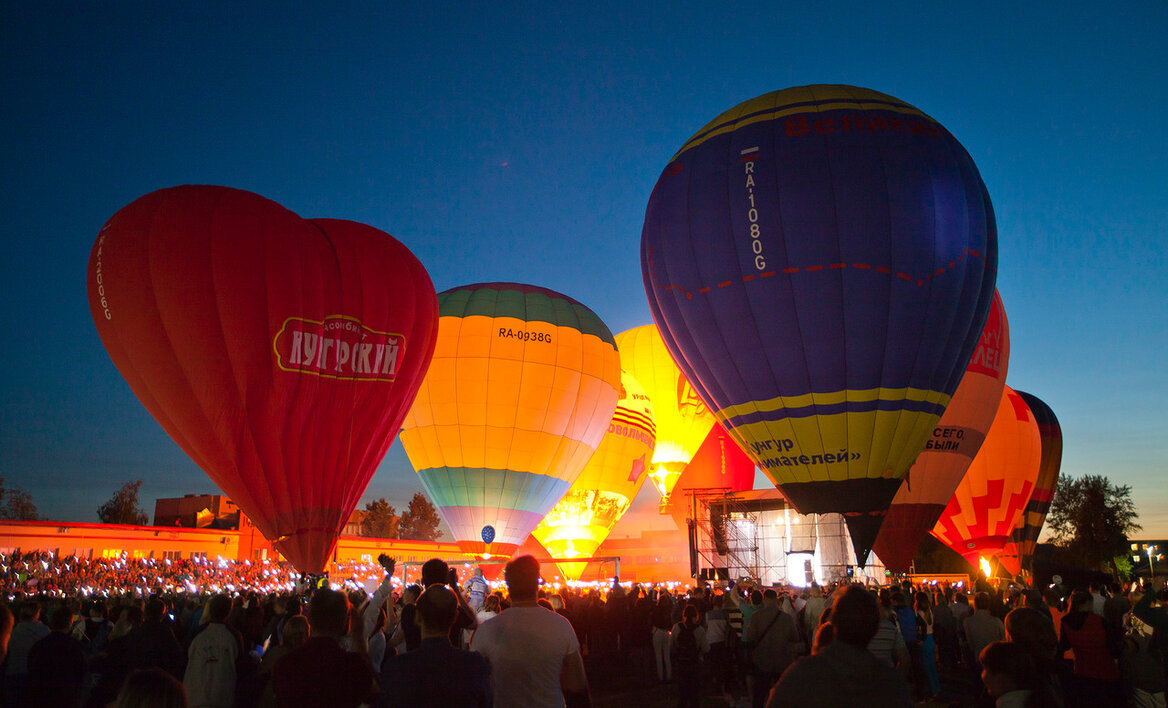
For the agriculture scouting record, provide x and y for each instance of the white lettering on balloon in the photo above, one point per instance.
(748, 157)
(339, 347)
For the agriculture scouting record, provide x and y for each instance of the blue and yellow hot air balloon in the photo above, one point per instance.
(820, 262)
(520, 392)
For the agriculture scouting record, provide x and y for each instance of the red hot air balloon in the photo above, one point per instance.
(1025, 535)
(718, 464)
(820, 262)
(280, 353)
(984, 510)
(955, 442)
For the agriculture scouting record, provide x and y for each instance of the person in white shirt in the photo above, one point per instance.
(534, 654)
(211, 658)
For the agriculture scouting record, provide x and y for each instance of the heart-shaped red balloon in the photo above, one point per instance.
(280, 353)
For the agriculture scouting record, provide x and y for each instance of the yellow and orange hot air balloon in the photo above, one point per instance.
(683, 421)
(580, 522)
(522, 387)
(983, 512)
(956, 440)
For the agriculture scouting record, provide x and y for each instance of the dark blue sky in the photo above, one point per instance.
(522, 144)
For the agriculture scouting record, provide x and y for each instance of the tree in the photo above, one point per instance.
(419, 522)
(16, 504)
(1090, 521)
(122, 507)
(932, 556)
(380, 520)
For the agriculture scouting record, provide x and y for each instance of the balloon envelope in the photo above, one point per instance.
(981, 515)
(523, 385)
(579, 523)
(683, 421)
(956, 440)
(1025, 535)
(719, 464)
(280, 353)
(820, 262)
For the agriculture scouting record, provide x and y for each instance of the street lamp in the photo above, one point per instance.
(1151, 569)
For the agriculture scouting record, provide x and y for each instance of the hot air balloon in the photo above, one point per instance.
(1025, 535)
(984, 510)
(523, 385)
(280, 353)
(579, 523)
(719, 464)
(939, 468)
(820, 262)
(683, 421)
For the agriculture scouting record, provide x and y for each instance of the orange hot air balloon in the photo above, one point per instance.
(985, 508)
(522, 388)
(956, 440)
(579, 523)
(1025, 535)
(683, 421)
(280, 353)
(718, 464)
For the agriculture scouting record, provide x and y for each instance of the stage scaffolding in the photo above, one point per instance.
(758, 535)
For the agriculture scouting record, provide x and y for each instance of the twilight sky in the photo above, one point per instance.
(522, 144)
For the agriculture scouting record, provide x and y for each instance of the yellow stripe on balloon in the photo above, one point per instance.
(859, 437)
(803, 99)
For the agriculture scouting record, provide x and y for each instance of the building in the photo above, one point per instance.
(218, 512)
(1149, 557)
(197, 511)
(96, 540)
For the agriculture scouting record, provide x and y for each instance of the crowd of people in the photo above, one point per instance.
(137, 632)
(46, 574)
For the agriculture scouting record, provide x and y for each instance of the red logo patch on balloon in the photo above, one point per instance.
(339, 348)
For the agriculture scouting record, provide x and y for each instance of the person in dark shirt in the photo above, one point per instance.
(321, 673)
(844, 673)
(408, 630)
(436, 572)
(153, 643)
(56, 664)
(437, 674)
(1096, 644)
